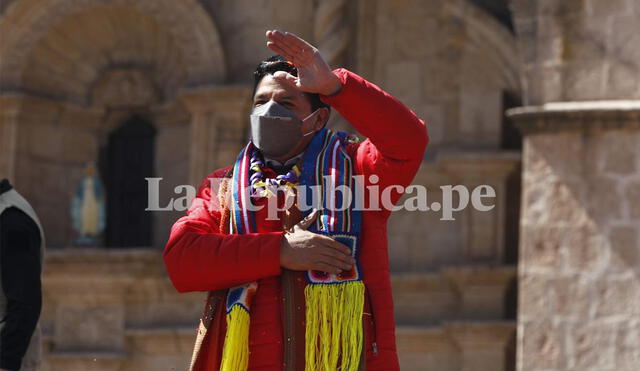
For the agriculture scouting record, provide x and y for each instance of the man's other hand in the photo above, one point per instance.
(314, 74)
(302, 250)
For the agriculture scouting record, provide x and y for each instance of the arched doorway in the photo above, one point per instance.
(126, 161)
(56, 58)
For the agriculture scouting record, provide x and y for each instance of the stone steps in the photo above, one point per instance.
(156, 348)
(451, 346)
(453, 293)
(118, 311)
(457, 346)
(456, 318)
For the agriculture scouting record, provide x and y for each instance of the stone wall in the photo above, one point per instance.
(580, 238)
(580, 229)
(447, 60)
(451, 63)
(55, 141)
(578, 50)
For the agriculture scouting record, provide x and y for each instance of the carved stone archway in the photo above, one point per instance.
(194, 32)
(38, 61)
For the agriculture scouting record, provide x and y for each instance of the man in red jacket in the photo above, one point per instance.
(264, 264)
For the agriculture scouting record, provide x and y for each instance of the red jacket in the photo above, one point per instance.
(200, 257)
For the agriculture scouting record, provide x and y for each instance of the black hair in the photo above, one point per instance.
(276, 63)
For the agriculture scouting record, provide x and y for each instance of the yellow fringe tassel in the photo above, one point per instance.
(334, 326)
(235, 353)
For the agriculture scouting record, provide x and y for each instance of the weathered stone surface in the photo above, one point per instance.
(625, 248)
(579, 242)
(626, 345)
(632, 198)
(483, 345)
(586, 339)
(534, 299)
(568, 295)
(593, 44)
(469, 293)
(541, 249)
(622, 153)
(618, 296)
(88, 327)
(456, 346)
(115, 309)
(545, 340)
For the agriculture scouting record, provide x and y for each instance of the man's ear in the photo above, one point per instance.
(322, 118)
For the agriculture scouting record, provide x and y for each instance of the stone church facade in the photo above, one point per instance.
(539, 99)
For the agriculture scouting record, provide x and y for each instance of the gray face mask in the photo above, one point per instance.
(275, 130)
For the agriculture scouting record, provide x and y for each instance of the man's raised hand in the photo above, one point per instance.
(302, 250)
(314, 74)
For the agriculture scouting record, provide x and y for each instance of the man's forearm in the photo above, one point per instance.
(211, 261)
(393, 128)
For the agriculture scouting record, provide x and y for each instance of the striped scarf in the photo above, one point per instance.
(334, 303)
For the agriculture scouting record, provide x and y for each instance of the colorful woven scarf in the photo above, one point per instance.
(334, 303)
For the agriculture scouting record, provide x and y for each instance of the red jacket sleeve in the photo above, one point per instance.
(397, 138)
(198, 257)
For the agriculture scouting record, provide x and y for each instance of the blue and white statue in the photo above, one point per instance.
(88, 208)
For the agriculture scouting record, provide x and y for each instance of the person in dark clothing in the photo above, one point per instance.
(21, 251)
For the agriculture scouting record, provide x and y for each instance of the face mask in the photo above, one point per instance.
(275, 130)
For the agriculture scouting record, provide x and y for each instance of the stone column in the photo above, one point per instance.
(579, 288)
(578, 50)
(219, 122)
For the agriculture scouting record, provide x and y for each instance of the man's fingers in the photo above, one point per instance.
(325, 267)
(279, 48)
(296, 42)
(330, 242)
(334, 262)
(284, 76)
(308, 220)
(298, 50)
(284, 43)
(284, 39)
(346, 261)
(276, 48)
